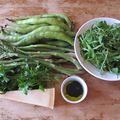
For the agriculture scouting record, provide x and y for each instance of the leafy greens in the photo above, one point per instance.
(100, 45)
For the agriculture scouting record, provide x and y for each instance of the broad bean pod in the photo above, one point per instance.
(54, 15)
(36, 38)
(51, 21)
(24, 29)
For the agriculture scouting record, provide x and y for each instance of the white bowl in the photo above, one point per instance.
(86, 65)
(81, 81)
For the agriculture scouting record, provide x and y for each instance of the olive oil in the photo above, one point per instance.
(73, 90)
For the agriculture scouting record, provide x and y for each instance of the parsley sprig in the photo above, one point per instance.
(25, 77)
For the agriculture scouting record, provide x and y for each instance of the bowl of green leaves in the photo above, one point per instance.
(97, 48)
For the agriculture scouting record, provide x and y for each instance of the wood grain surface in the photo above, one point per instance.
(103, 100)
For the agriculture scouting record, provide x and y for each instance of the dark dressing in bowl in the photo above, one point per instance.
(73, 90)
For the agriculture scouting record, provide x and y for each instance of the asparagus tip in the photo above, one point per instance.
(5, 25)
(10, 19)
(2, 28)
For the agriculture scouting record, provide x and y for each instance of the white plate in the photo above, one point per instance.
(86, 65)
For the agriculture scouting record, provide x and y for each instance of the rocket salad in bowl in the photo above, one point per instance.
(97, 48)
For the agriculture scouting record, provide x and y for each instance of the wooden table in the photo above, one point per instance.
(103, 100)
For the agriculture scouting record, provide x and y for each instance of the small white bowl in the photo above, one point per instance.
(81, 81)
(86, 65)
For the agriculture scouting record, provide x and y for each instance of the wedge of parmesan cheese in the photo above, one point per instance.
(34, 97)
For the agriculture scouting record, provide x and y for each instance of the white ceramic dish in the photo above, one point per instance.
(88, 66)
(81, 81)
